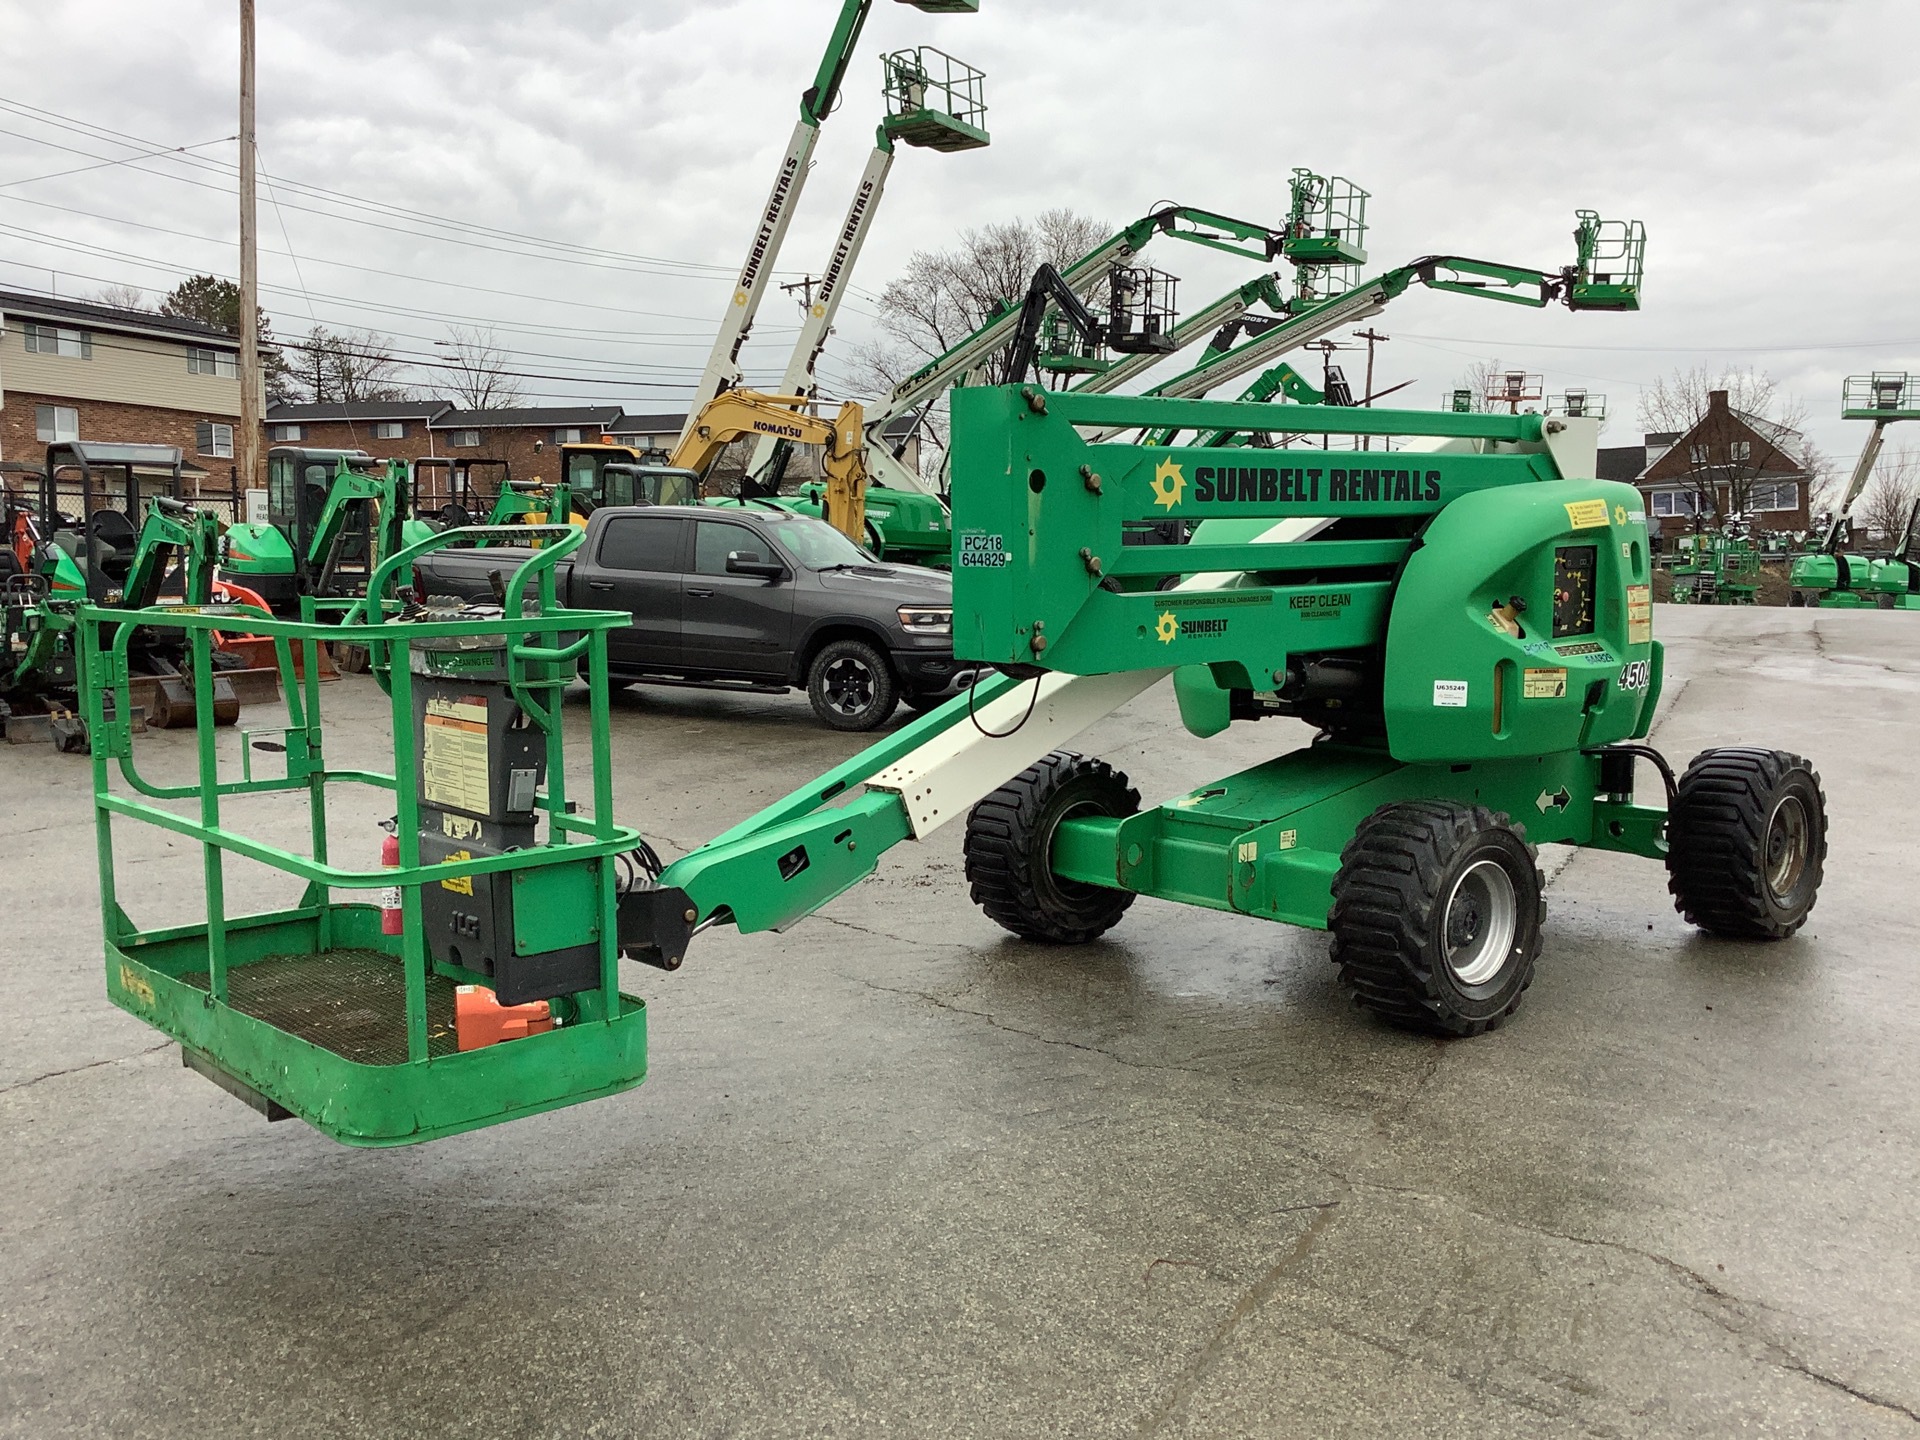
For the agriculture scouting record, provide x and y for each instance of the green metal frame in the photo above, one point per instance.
(599, 1049)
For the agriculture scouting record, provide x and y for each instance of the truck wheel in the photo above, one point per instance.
(1747, 842)
(851, 686)
(1436, 916)
(1009, 850)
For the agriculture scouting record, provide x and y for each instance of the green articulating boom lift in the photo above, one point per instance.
(331, 516)
(1834, 578)
(1467, 626)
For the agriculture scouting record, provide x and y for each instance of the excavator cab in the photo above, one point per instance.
(447, 492)
(623, 484)
(91, 504)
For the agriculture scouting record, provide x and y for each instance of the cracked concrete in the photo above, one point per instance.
(897, 1173)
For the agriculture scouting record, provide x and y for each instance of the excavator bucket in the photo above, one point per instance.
(945, 7)
(167, 700)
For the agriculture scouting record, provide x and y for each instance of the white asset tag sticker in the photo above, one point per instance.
(1450, 694)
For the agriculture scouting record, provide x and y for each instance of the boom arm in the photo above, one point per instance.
(740, 413)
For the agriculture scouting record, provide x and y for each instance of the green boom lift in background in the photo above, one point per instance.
(1834, 578)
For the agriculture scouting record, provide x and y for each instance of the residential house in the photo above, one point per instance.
(1729, 464)
(527, 438)
(72, 370)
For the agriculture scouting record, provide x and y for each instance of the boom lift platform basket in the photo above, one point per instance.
(502, 880)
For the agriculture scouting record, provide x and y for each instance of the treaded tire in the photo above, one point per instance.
(851, 686)
(1010, 844)
(1406, 869)
(1739, 815)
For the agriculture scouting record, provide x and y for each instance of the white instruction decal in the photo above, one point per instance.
(1450, 694)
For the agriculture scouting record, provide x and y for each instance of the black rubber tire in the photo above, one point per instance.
(851, 686)
(1796, 599)
(1391, 897)
(1733, 821)
(1009, 850)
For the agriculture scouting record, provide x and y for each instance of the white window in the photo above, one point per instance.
(567, 436)
(1774, 495)
(212, 362)
(1741, 449)
(390, 430)
(1673, 502)
(289, 434)
(56, 422)
(211, 437)
(463, 439)
(1697, 454)
(51, 340)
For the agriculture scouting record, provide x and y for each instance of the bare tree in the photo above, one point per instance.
(946, 295)
(477, 369)
(350, 367)
(1756, 440)
(122, 297)
(1890, 496)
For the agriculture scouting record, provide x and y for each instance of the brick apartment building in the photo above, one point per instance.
(70, 370)
(1729, 461)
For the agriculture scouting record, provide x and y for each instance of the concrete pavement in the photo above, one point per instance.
(897, 1173)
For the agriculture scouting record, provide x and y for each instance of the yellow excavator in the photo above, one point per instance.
(739, 414)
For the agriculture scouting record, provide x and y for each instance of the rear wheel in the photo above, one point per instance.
(1009, 850)
(1747, 842)
(851, 686)
(1436, 916)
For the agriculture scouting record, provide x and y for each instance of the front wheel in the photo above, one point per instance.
(1009, 849)
(851, 686)
(1747, 842)
(1436, 916)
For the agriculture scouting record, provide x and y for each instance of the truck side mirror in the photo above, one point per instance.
(748, 562)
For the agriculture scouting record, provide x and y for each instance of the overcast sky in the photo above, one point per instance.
(1769, 147)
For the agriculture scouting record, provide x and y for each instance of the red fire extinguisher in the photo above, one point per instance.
(390, 897)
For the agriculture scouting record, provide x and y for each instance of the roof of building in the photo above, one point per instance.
(1621, 462)
(55, 308)
(283, 413)
(562, 416)
(630, 424)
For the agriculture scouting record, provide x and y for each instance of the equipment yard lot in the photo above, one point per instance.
(895, 1172)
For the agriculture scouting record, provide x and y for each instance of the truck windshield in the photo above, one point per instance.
(814, 543)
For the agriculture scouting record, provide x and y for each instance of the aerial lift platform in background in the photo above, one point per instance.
(1833, 577)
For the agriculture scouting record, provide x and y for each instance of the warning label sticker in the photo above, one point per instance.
(453, 762)
(1543, 685)
(460, 884)
(1587, 514)
(1639, 614)
(1450, 694)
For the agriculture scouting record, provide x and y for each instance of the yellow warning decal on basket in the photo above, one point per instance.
(460, 884)
(1544, 685)
(1639, 614)
(1587, 514)
(453, 761)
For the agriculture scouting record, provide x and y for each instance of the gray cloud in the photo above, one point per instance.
(1767, 146)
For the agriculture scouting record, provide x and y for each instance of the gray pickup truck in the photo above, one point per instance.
(746, 598)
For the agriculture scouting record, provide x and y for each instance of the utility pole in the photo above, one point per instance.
(1372, 339)
(249, 448)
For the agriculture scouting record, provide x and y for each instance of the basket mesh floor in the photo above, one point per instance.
(352, 1002)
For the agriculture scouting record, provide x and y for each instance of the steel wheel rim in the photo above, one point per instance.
(1789, 844)
(1481, 919)
(849, 684)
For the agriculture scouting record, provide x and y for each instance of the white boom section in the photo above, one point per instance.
(818, 324)
(1227, 308)
(972, 352)
(944, 778)
(723, 364)
(1863, 468)
(1357, 304)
